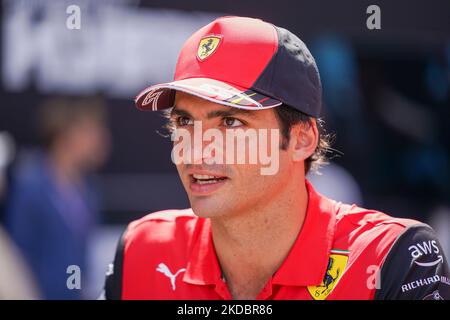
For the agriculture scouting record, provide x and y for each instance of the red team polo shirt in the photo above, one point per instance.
(342, 252)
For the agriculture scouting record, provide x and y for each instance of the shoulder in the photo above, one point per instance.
(164, 233)
(352, 214)
(30, 178)
(388, 257)
(161, 227)
(369, 235)
(160, 236)
(360, 225)
(415, 267)
(170, 217)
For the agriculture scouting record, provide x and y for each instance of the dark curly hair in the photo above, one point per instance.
(287, 117)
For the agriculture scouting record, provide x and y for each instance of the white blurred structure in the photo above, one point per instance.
(102, 249)
(119, 48)
(440, 221)
(16, 281)
(338, 184)
(7, 152)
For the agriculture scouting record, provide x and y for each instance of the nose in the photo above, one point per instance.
(207, 145)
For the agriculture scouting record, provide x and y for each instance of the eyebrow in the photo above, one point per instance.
(214, 114)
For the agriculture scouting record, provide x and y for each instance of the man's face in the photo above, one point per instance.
(229, 188)
(89, 142)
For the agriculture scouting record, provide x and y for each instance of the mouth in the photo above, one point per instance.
(204, 184)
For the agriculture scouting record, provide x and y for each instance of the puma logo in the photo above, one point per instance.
(166, 271)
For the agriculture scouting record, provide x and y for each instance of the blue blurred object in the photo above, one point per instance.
(339, 74)
(437, 82)
(50, 221)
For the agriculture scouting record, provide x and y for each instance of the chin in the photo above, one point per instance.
(207, 207)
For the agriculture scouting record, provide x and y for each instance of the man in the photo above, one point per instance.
(52, 207)
(254, 233)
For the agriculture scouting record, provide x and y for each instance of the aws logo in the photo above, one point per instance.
(336, 266)
(426, 248)
(207, 46)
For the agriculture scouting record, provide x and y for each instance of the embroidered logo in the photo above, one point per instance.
(207, 47)
(152, 97)
(336, 266)
(166, 271)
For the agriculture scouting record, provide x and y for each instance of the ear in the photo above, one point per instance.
(304, 139)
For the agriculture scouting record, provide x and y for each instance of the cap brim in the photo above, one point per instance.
(162, 96)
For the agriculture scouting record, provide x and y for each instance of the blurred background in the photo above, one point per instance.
(78, 162)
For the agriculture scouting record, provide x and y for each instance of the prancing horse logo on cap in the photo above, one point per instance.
(207, 46)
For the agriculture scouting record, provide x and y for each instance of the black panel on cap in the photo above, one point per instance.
(292, 76)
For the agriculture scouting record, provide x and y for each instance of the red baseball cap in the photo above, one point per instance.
(244, 63)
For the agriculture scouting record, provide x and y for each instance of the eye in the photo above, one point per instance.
(231, 122)
(184, 121)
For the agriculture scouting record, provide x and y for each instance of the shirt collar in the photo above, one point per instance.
(305, 264)
(307, 261)
(203, 266)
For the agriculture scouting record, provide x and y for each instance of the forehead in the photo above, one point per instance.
(186, 100)
(198, 106)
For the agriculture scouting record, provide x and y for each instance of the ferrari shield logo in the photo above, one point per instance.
(336, 266)
(207, 46)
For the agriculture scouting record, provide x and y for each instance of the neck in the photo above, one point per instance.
(64, 165)
(251, 246)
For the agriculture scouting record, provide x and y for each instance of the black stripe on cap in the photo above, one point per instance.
(292, 76)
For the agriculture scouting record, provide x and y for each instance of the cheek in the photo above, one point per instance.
(249, 177)
(253, 179)
(185, 180)
(180, 170)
